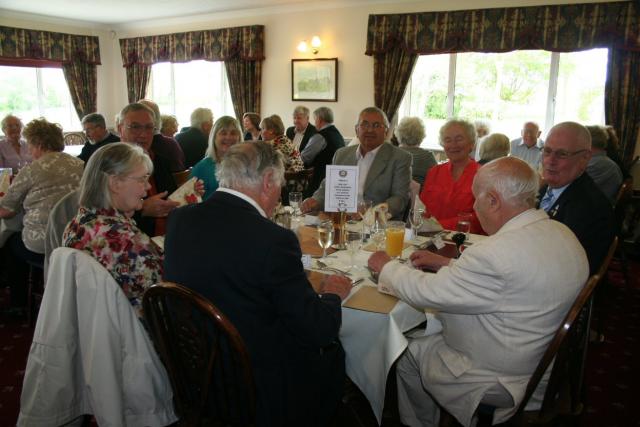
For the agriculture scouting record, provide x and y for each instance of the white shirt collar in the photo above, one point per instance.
(243, 197)
(373, 152)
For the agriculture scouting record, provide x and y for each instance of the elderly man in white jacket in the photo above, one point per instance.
(499, 303)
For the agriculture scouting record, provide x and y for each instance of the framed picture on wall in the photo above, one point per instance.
(314, 79)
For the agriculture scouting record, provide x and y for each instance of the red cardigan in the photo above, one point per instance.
(445, 198)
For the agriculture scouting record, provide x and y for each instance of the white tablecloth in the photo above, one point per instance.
(372, 341)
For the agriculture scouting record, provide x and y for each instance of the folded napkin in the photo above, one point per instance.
(430, 224)
(186, 194)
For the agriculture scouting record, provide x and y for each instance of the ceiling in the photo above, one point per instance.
(116, 12)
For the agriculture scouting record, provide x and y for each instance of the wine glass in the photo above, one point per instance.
(464, 223)
(325, 236)
(354, 244)
(416, 219)
(295, 200)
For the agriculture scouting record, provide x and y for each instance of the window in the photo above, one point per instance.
(507, 89)
(29, 93)
(178, 89)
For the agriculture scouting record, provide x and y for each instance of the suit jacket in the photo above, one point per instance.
(588, 213)
(500, 304)
(164, 182)
(308, 133)
(194, 144)
(251, 269)
(388, 178)
(90, 148)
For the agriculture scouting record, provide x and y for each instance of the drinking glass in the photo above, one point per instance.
(416, 219)
(394, 238)
(354, 244)
(365, 211)
(325, 236)
(295, 200)
(464, 223)
(378, 233)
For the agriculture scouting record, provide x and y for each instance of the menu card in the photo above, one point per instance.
(186, 194)
(341, 189)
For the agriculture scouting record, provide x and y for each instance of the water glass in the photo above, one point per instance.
(354, 244)
(325, 236)
(295, 201)
(365, 211)
(378, 233)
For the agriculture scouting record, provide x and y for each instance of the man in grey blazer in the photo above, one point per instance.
(498, 313)
(384, 170)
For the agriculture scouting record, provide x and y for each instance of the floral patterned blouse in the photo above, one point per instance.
(292, 160)
(114, 240)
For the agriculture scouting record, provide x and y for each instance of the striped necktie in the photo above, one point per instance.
(547, 200)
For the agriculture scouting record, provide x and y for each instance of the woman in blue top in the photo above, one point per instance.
(225, 133)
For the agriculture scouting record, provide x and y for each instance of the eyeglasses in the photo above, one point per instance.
(136, 128)
(375, 125)
(139, 179)
(560, 154)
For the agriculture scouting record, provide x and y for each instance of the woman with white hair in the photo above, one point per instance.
(410, 133)
(14, 152)
(447, 187)
(115, 181)
(225, 133)
(493, 147)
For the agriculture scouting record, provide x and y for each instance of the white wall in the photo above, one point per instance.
(342, 30)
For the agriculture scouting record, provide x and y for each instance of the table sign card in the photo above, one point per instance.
(341, 189)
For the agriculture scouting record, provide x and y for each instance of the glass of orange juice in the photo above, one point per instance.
(394, 238)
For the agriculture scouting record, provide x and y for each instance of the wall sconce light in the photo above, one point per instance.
(315, 45)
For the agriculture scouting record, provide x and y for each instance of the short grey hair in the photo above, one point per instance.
(467, 127)
(377, 110)
(156, 112)
(168, 120)
(200, 116)
(323, 113)
(494, 146)
(482, 124)
(117, 159)
(410, 131)
(224, 122)
(245, 165)
(512, 178)
(301, 109)
(273, 123)
(599, 136)
(95, 119)
(583, 137)
(136, 106)
(6, 119)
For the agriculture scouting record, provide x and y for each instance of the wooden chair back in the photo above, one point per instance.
(298, 181)
(181, 177)
(205, 357)
(623, 198)
(74, 138)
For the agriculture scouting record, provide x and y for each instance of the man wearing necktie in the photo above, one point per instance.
(570, 195)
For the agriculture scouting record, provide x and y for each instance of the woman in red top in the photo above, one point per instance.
(447, 187)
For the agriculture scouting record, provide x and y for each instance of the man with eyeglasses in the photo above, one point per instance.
(528, 146)
(384, 170)
(136, 125)
(98, 135)
(570, 196)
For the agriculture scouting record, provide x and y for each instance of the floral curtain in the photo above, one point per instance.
(138, 76)
(389, 92)
(242, 46)
(77, 54)
(558, 28)
(244, 84)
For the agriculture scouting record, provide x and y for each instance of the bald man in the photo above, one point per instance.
(498, 312)
(528, 146)
(570, 195)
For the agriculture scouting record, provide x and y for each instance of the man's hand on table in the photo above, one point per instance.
(428, 260)
(377, 261)
(335, 284)
(156, 206)
(309, 205)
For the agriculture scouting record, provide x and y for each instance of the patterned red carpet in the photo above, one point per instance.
(612, 377)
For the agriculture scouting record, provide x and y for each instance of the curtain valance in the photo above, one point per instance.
(553, 28)
(19, 43)
(245, 43)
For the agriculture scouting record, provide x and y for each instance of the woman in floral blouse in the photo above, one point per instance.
(273, 133)
(115, 180)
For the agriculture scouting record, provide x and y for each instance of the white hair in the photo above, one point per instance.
(512, 178)
(245, 164)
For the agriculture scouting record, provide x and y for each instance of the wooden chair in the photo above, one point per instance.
(623, 199)
(74, 138)
(181, 177)
(205, 357)
(298, 181)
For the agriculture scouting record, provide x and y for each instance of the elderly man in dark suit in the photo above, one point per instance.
(570, 195)
(384, 170)
(194, 140)
(95, 127)
(228, 250)
(301, 130)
